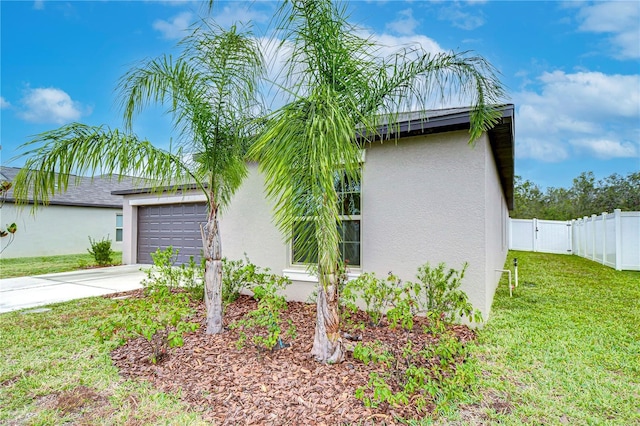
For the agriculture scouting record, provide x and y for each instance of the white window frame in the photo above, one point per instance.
(296, 271)
(119, 228)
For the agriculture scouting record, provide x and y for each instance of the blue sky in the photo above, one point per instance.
(571, 68)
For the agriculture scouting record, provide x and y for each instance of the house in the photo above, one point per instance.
(426, 197)
(65, 225)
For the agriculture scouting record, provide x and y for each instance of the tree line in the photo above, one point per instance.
(585, 197)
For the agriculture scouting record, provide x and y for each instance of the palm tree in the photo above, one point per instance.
(210, 91)
(340, 88)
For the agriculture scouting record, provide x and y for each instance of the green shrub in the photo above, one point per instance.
(264, 324)
(436, 373)
(439, 292)
(101, 250)
(439, 373)
(237, 275)
(164, 274)
(161, 318)
(378, 295)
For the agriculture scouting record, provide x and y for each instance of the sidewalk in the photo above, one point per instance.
(28, 292)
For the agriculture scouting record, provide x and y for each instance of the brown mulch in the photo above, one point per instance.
(232, 386)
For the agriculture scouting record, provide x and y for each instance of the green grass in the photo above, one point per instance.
(566, 348)
(54, 371)
(26, 266)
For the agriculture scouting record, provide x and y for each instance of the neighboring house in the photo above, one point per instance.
(65, 225)
(427, 197)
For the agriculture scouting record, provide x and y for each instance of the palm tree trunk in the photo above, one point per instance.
(327, 343)
(213, 272)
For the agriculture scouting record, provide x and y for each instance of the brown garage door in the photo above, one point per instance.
(176, 225)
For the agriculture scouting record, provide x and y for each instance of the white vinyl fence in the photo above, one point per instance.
(611, 239)
(548, 236)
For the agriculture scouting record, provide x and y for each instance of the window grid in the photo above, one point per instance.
(349, 194)
(119, 227)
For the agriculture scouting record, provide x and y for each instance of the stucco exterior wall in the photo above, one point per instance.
(56, 230)
(247, 226)
(424, 199)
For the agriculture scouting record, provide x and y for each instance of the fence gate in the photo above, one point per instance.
(547, 236)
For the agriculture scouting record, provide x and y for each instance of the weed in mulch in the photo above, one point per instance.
(228, 385)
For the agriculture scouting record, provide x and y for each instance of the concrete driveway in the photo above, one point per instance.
(29, 292)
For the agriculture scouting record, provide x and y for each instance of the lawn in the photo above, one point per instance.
(26, 266)
(564, 350)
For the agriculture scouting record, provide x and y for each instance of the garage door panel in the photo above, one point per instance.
(176, 225)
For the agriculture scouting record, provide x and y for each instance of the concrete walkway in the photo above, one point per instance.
(29, 292)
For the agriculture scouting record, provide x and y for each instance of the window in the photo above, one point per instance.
(118, 227)
(350, 216)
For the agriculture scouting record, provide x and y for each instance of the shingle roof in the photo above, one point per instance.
(89, 192)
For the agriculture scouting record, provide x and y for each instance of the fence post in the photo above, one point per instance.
(534, 230)
(571, 244)
(618, 238)
(604, 238)
(585, 223)
(574, 238)
(593, 237)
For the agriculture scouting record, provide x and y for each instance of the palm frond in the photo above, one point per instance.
(211, 93)
(78, 149)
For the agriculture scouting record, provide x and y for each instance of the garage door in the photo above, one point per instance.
(176, 225)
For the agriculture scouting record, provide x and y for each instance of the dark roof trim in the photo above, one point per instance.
(150, 190)
(68, 203)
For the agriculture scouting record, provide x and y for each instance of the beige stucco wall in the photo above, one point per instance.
(424, 199)
(57, 230)
(424, 202)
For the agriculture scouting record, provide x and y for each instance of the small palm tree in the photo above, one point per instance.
(210, 92)
(339, 89)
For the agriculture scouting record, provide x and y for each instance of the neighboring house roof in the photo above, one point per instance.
(501, 139)
(89, 192)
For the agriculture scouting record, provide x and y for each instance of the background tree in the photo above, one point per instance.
(338, 86)
(210, 91)
(528, 199)
(585, 197)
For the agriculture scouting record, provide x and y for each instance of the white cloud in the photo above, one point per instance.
(619, 19)
(593, 94)
(390, 43)
(461, 19)
(50, 105)
(607, 148)
(176, 27)
(4, 103)
(404, 24)
(240, 12)
(540, 149)
(38, 4)
(584, 113)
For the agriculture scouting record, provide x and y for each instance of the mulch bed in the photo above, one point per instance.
(231, 386)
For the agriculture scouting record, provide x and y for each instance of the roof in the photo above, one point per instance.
(501, 136)
(89, 192)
